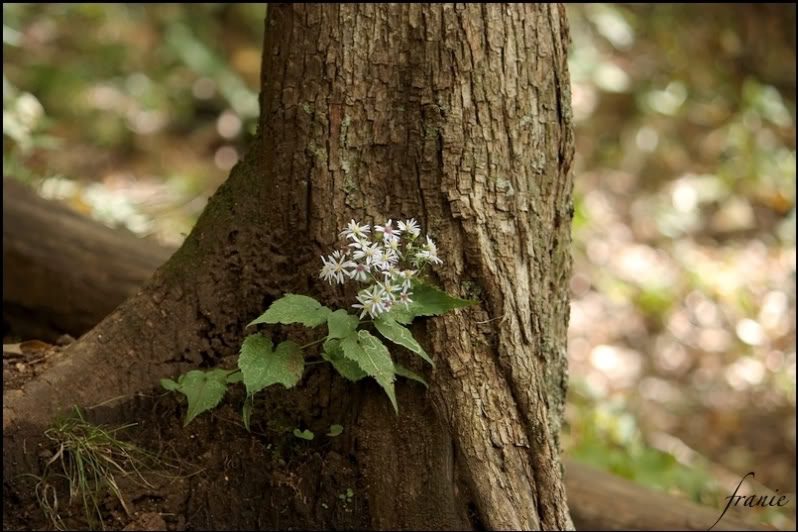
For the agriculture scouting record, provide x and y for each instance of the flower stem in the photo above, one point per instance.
(320, 340)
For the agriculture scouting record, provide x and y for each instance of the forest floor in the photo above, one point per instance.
(213, 474)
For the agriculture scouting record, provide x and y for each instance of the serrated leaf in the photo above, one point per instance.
(399, 334)
(246, 411)
(401, 314)
(235, 378)
(204, 390)
(428, 300)
(252, 360)
(170, 385)
(262, 367)
(373, 357)
(341, 324)
(347, 368)
(335, 430)
(293, 308)
(406, 373)
(305, 434)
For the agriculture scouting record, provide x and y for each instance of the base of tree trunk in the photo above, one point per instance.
(269, 479)
(401, 474)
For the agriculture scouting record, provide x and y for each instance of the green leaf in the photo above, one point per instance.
(406, 373)
(335, 430)
(401, 314)
(246, 412)
(373, 357)
(204, 390)
(235, 378)
(170, 385)
(252, 358)
(305, 434)
(341, 324)
(335, 356)
(262, 367)
(293, 308)
(428, 300)
(400, 335)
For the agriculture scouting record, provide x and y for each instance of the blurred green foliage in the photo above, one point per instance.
(113, 93)
(607, 436)
(683, 300)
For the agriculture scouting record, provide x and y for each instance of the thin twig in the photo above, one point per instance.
(502, 317)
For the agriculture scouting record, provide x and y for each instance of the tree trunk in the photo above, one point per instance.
(456, 115)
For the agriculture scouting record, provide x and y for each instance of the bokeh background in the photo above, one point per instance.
(682, 336)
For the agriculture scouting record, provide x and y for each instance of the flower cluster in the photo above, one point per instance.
(390, 263)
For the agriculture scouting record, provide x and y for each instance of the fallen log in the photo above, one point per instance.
(602, 501)
(63, 273)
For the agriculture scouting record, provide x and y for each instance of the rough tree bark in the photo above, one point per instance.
(457, 115)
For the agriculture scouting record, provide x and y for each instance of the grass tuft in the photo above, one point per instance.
(90, 459)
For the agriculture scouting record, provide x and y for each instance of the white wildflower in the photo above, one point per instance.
(406, 278)
(389, 232)
(359, 243)
(337, 262)
(386, 291)
(355, 231)
(359, 272)
(411, 227)
(388, 287)
(404, 298)
(388, 259)
(371, 301)
(372, 253)
(383, 265)
(392, 246)
(327, 271)
(429, 252)
(392, 272)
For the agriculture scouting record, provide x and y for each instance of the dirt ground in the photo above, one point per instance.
(211, 475)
